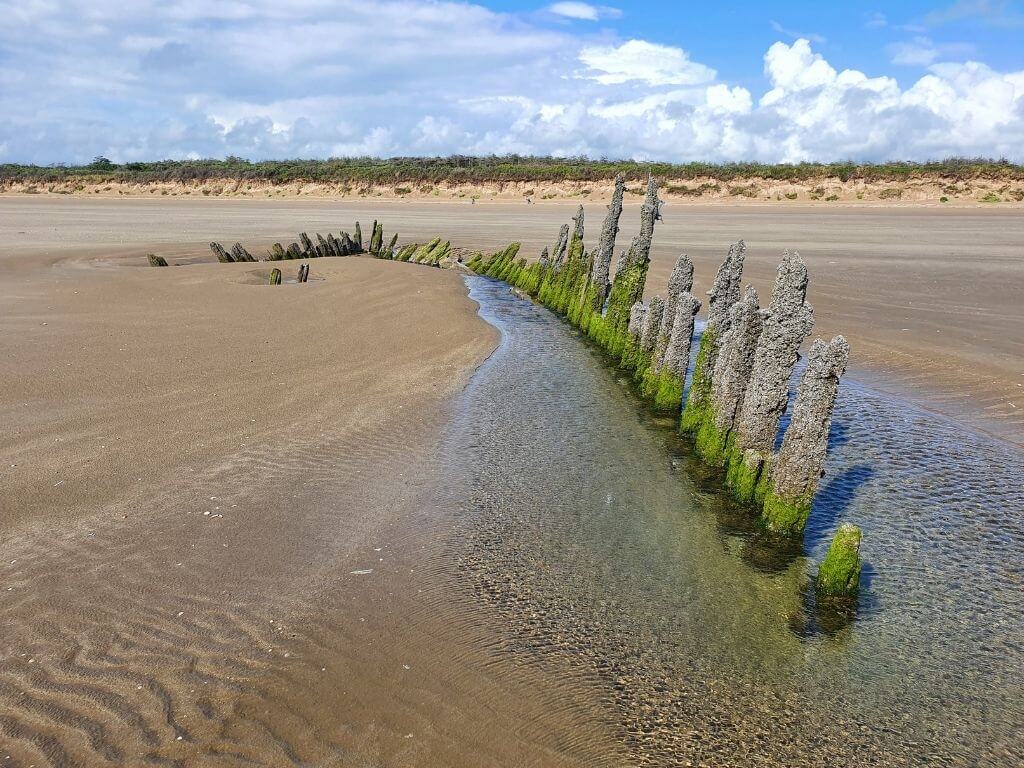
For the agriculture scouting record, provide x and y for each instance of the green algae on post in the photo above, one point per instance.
(729, 378)
(786, 323)
(222, 255)
(839, 572)
(801, 459)
(156, 261)
(725, 292)
(275, 276)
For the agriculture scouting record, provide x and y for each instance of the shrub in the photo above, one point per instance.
(991, 197)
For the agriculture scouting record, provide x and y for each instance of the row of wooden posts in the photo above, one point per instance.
(739, 388)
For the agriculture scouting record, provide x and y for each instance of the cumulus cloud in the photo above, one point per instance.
(645, 62)
(584, 11)
(155, 79)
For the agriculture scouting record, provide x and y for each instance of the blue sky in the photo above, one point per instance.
(656, 80)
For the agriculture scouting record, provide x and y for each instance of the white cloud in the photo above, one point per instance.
(876, 20)
(149, 80)
(814, 37)
(584, 11)
(645, 62)
(922, 51)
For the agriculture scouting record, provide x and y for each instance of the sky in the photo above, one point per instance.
(659, 80)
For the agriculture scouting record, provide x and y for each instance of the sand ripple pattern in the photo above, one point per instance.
(142, 643)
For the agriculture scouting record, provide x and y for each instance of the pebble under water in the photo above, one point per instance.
(610, 551)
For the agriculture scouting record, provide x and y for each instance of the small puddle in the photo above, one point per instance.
(609, 550)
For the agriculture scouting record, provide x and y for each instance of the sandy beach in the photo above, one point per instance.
(223, 525)
(928, 297)
(218, 524)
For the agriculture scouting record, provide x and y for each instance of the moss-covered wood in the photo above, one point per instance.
(156, 261)
(839, 572)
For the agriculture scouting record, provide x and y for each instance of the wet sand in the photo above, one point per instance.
(930, 298)
(220, 537)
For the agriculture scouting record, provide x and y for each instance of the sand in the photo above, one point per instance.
(219, 522)
(927, 296)
(219, 525)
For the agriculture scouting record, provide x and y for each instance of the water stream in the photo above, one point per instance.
(588, 524)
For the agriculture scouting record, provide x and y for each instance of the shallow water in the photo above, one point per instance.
(589, 525)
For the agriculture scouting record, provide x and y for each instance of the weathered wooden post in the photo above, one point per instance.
(630, 276)
(358, 238)
(275, 276)
(277, 252)
(725, 292)
(239, 253)
(786, 323)
(796, 470)
(671, 380)
(730, 379)
(600, 276)
(156, 261)
(839, 572)
(222, 255)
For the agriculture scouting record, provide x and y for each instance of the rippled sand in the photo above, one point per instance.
(219, 539)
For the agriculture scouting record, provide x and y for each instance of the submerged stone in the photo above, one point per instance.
(801, 460)
(839, 572)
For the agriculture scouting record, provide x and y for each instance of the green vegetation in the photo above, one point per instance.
(459, 169)
(991, 197)
(839, 572)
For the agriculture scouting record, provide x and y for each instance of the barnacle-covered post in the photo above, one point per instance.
(377, 238)
(801, 460)
(729, 381)
(786, 323)
(638, 351)
(389, 252)
(671, 379)
(600, 276)
(679, 282)
(222, 255)
(725, 292)
(628, 285)
(839, 573)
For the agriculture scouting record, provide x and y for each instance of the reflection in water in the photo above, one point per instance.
(608, 547)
